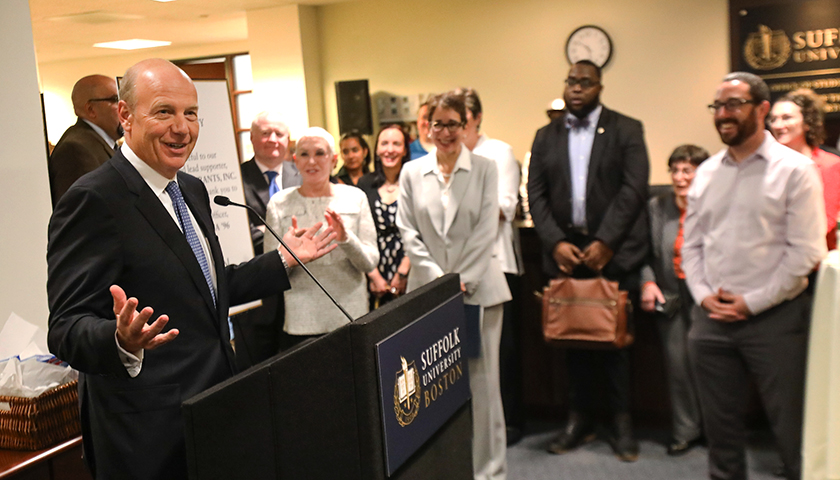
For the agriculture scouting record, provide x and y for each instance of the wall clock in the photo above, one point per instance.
(589, 43)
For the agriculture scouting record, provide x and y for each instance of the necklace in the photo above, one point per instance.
(442, 167)
(391, 188)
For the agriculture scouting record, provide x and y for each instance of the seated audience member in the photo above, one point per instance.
(342, 271)
(796, 121)
(382, 188)
(664, 291)
(422, 144)
(448, 215)
(355, 154)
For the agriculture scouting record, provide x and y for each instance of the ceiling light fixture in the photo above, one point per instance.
(133, 44)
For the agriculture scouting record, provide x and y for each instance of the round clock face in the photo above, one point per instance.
(589, 43)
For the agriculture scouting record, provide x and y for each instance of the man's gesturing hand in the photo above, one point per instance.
(132, 331)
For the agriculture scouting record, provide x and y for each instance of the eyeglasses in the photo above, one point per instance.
(687, 170)
(730, 105)
(111, 99)
(453, 127)
(583, 82)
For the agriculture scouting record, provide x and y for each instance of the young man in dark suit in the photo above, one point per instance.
(587, 187)
(140, 227)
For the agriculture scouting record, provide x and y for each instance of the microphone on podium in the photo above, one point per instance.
(225, 201)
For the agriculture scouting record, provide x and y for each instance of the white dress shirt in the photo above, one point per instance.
(96, 128)
(754, 228)
(287, 174)
(509, 171)
(157, 182)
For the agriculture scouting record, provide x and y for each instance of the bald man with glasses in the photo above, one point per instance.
(90, 142)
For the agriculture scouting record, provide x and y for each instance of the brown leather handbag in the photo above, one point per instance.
(586, 313)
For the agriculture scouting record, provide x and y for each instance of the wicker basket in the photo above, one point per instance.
(37, 423)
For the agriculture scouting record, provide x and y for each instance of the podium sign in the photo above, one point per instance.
(423, 379)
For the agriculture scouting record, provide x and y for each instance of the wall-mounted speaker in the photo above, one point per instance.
(353, 98)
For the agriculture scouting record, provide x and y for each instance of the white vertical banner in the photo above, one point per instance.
(216, 162)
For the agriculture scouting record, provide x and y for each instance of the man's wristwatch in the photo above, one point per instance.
(283, 259)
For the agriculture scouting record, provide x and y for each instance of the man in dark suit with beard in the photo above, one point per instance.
(90, 141)
(140, 227)
(587, 188)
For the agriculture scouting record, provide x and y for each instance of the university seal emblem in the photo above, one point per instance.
(407, 393)
(767, 49)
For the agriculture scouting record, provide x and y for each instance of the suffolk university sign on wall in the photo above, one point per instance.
(791, 45)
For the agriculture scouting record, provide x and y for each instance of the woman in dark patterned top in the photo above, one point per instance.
(383, 188)
(355, 154)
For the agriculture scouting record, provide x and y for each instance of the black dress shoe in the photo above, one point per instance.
(681, 447)
(625, 445)
(578, 430)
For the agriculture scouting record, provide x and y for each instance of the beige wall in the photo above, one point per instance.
(668, 57)
(277, 62)
(58, 78)
(23, 173)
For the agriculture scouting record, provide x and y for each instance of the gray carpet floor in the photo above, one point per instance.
(529, 460)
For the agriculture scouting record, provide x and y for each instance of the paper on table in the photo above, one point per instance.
(21, 338)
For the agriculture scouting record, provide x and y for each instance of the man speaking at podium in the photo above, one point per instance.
(138, 227)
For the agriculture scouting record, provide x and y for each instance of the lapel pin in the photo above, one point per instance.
(600, 130)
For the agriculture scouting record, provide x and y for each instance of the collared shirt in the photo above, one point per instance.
(463, 162)
(580, 149)
(509, 177)
(754, 228)
(111, 142)
(157, 183)
(287, 173)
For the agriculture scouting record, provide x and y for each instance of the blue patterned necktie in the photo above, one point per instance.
(272, 183)
(186, 225)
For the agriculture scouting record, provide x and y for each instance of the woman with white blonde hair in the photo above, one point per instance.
(342, 271)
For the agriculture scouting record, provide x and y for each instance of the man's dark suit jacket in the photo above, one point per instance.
(256, 196)
(616, 190)
(79, 151)
(110, 228)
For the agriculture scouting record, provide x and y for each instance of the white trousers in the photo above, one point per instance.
(489, 441)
